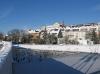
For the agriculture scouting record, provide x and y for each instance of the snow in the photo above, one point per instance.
(72, 48)
(45, 66)
(79, 62)
(6, 58)
(72, 63)
(84, 62)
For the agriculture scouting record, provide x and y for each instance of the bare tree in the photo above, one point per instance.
(1, 36)
(15, 35)
(26, 38)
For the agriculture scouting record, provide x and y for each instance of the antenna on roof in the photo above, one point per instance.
(62, 23)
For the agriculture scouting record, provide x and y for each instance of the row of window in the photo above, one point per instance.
(81, 29)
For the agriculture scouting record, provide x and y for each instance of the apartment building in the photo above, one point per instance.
(35, 35)
(78, 32)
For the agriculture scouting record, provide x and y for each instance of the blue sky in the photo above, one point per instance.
(24, 14)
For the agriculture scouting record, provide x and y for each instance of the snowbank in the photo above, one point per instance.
(6, 58)
(72, 48)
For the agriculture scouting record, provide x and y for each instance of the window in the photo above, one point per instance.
(67, 30)
(55, 29)
(75, 29)
(83, 29)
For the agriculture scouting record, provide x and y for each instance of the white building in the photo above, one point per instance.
(74, 32)
(54, 29)
(78, 32)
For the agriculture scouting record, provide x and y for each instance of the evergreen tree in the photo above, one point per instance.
(45, 36)
(53, 39)
(99, 37)
(94, 37)
(66, 38)
(60, 35)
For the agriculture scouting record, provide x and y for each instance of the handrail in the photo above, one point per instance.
(6, 58)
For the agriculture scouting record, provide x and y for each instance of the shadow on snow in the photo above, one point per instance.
(25, 62)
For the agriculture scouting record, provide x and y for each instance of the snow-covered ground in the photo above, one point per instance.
(34, 64)
(72, 63)
(72, 48)
(47, 66)
(87, 63)
(78, 62)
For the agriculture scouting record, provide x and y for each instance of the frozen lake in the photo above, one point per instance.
(28, 61)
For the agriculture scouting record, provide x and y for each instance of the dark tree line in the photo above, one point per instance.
(21, 36)
(16, 36)
(48, 38)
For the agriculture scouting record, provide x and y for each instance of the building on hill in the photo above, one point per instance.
(35, 35)
(74, 32)
(79, 32)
